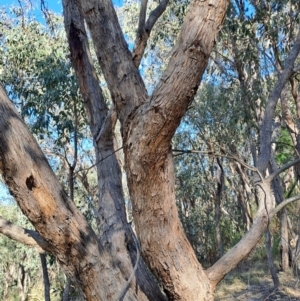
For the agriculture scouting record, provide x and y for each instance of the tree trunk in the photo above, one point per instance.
(115, 232)
(218, 197)
(270, 259)
(148, 124)
(284, 240)
(66, 289)
(45, 277)
(53, 214)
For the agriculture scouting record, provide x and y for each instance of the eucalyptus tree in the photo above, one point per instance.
(109, 266)
(256, 40)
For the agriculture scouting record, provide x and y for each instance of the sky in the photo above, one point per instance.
(53, 5)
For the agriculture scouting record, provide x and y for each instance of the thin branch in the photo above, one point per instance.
(27, 237)
(142, 18)
(75, 137)
(144, 30)
(99, 161)
(280, 170)
(155, 14)
(47, 15)
(283, 204)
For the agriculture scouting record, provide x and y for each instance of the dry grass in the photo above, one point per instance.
(251, 281)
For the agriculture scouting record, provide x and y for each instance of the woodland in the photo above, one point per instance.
(147, 149)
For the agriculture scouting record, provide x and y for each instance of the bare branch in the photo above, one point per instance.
(283, 204)
(27, 237)
(155, 14)
(266, 127)
(144, 30)
(280, 170)
(142, 18)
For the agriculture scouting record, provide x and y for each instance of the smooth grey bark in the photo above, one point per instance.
(263, 185)
(266, 128)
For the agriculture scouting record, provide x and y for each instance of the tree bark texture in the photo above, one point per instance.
(148, 124)
(53, 214)
(115, 234)
(271, 264)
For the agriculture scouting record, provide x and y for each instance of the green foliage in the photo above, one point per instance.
(284, 147)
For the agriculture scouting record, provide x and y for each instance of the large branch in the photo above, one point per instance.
(180, 81)
(266, 127)
(39, 194)
(149, 162)
(122, 76)
(27, 237)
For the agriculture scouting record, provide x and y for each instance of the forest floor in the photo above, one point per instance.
(251, 281)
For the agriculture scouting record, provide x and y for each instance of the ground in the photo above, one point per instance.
(251, 281)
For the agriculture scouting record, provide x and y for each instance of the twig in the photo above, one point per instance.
(99, 161)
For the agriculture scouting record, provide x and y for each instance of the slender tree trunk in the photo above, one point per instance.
(218, 197)
(67, 289)
(284, 240)
(270, 259)
(21, 282)
(45, 277)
